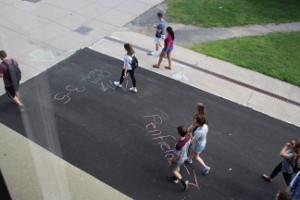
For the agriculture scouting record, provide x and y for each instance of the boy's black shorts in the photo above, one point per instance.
(11, 92)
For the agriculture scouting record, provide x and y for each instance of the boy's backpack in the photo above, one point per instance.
(12, 74)
(134, 62)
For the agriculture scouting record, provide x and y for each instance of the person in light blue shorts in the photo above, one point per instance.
(199, 143)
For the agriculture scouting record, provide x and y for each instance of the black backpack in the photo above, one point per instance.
(12, 74)
(134, 62)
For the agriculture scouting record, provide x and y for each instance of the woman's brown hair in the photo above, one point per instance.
(296, 148)
(201, 120)
(129, 49)
(200, 109)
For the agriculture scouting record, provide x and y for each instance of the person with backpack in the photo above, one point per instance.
(290, 153)
(167, 50)
(179, 157)
(129, 66)
(11, 74)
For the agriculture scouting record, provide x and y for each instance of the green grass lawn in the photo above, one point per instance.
(225, 13)
(276, 55)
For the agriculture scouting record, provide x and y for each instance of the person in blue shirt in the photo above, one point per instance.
(295, 187)
(160, 29)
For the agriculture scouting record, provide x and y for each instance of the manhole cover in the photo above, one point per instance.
(83, 30)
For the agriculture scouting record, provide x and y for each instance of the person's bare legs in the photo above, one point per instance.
(160, 59)
(192, 156)
(200, 161)
(169, 61)
(157, 47)
(18, 94)
(176, 172)
(17, 101)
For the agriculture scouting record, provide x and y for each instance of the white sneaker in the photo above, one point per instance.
(185, 185)
(189, 161)
(116, 83)
(154, 53)
(206, 170)
(133, 89)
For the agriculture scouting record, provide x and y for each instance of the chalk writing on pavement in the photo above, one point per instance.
(66, 96)
(101, 79)
(165, 142)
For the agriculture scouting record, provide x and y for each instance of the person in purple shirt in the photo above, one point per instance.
(11, 74)
(179, 156)
(167, 50)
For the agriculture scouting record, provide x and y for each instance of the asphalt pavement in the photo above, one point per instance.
(122, 138)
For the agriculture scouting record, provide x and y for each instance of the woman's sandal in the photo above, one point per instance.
(167, 67)
(155, 66)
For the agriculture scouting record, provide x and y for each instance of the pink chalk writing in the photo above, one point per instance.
(165, 142)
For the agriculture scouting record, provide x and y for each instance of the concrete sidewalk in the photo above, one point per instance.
(261, 93)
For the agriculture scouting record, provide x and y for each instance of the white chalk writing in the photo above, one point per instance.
(102, 80)
(99, 78)
(66, 97)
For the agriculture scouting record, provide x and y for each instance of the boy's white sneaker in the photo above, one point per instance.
(189, 161)
(116, 83)
(154, 53)
(133, 89)
(206, 170)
